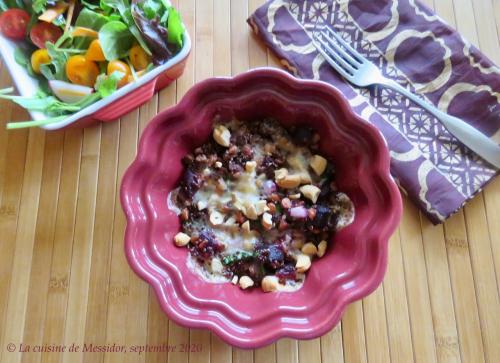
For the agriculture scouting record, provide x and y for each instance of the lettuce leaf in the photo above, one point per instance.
(56, 69)
(92, 20)
(154, 33)
(175, 28)
(123, 8)
(39, 6)
(109, 84)
(116, 40)
(56, 109)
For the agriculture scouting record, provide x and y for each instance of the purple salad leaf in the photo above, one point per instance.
(154, 34)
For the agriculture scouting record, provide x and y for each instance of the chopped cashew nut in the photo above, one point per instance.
(222, 135)
(267, 221)
(269, 283)
(309, 249)
(216, 265)
(305, 177)
(181, 239)
(250, 211)
(218, 164)
(318, 164)
(311, 192)
(297, 161)
(202, 204)
(289, 181)
(245, 282)
(237, 201)
(250, 166)
(261, 207)
(294, 196)
(216, 218)
(303, 263)
(280, 173)
(322, 248)
(234, 281)
(246, 226)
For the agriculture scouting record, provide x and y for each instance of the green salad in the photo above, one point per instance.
(84, 50)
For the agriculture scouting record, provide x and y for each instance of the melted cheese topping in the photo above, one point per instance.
(228, 197)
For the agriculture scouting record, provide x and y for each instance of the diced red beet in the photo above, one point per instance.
(325, 218)
(286, 272)
(276, 255)
(269, 164)
(206, 246)
(190, 183)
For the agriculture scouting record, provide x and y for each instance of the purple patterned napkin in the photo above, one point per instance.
(417, 49)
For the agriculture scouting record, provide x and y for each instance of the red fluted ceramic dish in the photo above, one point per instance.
(110, 108)
(354, 264)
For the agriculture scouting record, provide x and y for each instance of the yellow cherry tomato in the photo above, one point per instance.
(119, 66)
(139, 58)
(95, 53)
(82, 71)
(39, 57)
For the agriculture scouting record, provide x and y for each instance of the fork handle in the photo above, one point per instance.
(468, 135)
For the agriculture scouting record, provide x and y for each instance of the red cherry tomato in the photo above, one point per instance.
(13, 23)
(43, 32)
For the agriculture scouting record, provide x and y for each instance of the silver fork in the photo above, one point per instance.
(360, 71)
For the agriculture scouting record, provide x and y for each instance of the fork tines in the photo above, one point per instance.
(337, 52)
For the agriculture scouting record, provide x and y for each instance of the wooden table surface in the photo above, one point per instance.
(64, 278)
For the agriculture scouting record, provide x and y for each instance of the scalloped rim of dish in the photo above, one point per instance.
(213, 321)
(27, 86)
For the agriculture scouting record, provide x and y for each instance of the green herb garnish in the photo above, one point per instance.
(237, 256)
